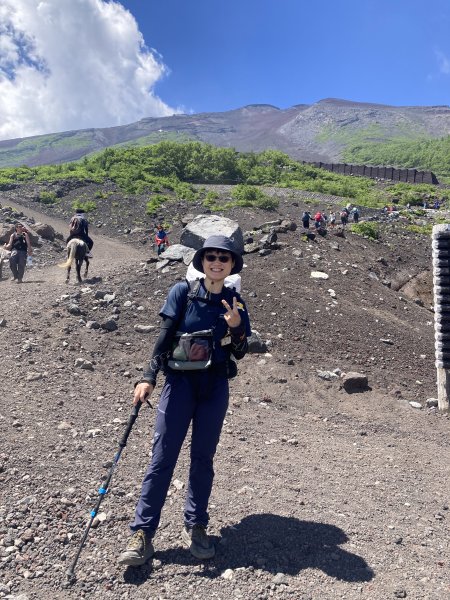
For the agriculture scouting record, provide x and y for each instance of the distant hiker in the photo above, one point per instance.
(332, 219)
(436, 205)
(79, 228)
(201, 330)
(20, 246)
(305, 219)
(318, 220)
(161, 239)
(355, 213)
(344, 217)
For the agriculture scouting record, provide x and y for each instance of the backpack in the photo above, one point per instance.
(193, 351)
(318, 216)
(77, 225)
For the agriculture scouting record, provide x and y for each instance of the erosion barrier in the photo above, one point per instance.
(404, 175)
(441, 282)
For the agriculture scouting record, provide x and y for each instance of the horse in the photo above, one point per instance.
(76, 249)
(4, 255)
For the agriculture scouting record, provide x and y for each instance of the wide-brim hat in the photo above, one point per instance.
(218, 242)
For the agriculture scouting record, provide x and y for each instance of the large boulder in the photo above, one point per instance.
(45, 231)
(203, 226)
(6, 230)
(178, 252)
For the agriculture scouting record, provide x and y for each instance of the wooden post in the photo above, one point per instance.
(443, 388)
(441, 281)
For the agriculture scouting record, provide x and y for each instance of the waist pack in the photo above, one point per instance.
(192, 351)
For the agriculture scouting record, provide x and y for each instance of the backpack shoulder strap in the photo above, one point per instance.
(193, 289)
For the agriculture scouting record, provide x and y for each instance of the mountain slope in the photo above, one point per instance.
(317, 132)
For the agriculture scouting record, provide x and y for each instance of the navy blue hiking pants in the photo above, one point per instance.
(200, 398)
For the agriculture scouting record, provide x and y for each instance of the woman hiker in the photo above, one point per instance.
(197, 368)
(20, 246)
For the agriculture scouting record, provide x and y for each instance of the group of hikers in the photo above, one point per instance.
(21, 250)
(322, 221)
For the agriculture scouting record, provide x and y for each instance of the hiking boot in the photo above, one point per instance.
(89, 255)
(138, 551)
(198, 542)
(19, 281)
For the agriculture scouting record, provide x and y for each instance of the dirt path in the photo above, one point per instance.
(109, 254)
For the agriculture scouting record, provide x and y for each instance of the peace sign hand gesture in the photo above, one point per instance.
(232, 316)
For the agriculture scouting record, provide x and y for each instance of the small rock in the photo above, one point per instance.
(227, 574)
(144, 328)
(280, 578)
(354, 382)
(109, 325)
(83, 363)
(319, 275)
(415, 405)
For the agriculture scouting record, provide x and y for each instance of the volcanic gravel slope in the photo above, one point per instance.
(319, 494)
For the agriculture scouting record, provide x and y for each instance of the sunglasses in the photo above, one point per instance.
(213, 257)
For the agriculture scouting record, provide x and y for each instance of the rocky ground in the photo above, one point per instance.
(319, 493)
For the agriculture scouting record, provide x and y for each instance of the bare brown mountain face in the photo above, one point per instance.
(316, 132)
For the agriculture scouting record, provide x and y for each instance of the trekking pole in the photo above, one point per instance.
(104, 488)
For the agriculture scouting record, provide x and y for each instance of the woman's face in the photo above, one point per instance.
(217, 264)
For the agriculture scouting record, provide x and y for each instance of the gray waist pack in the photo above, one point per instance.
(192, 351)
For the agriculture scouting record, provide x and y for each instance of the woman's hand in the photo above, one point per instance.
(142, 392)
(232, 316)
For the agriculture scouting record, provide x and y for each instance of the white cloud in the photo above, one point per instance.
(443, 62)
(73, 64)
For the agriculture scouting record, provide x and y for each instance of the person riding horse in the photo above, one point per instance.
(79, 228)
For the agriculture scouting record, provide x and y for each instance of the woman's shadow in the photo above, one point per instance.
(276, 544)
(288, 545)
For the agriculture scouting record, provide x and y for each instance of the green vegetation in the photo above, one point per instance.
(369, 230)
(156, 202)
(247, 195)
(47, 197)
(86, 205)
(168, 170)
(423, 154)
(421, 229)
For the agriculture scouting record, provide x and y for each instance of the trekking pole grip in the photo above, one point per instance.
(131, 419)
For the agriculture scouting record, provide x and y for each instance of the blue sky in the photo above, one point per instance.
(77, 64)
(224, 55)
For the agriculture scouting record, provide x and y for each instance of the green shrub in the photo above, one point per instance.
(47, 197)
(369, 230)
(247, 195)
(420, 229)
(87, 205)
(155, 202)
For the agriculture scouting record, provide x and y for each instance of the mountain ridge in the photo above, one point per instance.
(311, 132)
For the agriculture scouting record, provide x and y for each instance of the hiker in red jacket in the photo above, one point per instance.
(161, 239)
